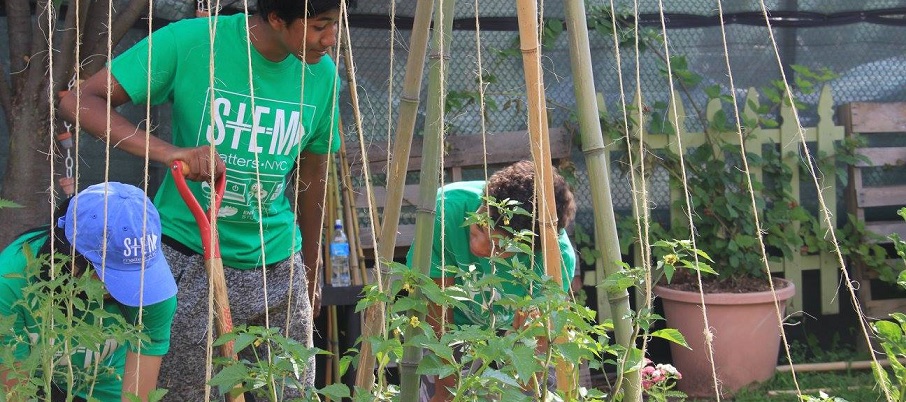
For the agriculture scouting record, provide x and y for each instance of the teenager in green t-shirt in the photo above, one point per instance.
(257, 95)
(472, 246)
(122, 249)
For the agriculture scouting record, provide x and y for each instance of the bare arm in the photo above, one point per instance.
(125, 135)
(309, 197)
(436, 318)
(140, 376)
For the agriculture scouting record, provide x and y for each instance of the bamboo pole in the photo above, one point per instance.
(527, 12)
(356, 255)
(594, 148)
(356, 229)
(429, 181)
(374, 315)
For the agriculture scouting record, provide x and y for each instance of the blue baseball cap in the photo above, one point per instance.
(134, 271)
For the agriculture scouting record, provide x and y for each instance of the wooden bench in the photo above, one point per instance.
(868, 198)
(463, 160)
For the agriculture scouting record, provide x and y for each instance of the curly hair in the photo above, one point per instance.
(517, 182)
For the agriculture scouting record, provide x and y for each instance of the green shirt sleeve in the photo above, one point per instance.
(156, 321)
(131, 68)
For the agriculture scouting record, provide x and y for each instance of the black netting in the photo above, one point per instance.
(867, 56)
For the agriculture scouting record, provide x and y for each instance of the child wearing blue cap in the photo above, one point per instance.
(114, 231)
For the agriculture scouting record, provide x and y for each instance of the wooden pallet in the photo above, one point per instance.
(868, 120)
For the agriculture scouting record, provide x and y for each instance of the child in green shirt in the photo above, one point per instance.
(120, 248)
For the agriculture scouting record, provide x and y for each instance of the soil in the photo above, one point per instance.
(686, 281)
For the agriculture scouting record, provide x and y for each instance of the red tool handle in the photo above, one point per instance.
(201, 216)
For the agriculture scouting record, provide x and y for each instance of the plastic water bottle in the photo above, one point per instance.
(339, 256)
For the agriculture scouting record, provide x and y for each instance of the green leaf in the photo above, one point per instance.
(500, 376)
(618, 281)
(8, 204)
(713, 91)
(889, 330)
(344, 364)
(225, 338)
(523, 358)
(335, 392)
(432, 365)
(229, 377)
(672, 335)
(157, 394)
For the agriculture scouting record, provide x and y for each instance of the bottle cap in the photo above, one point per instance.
(338, 223)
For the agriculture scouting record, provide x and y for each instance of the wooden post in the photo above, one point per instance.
(374, 315)
(606, 238)
(527, 12)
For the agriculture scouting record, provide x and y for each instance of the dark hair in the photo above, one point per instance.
(517, 182)
(289, 10)
(60, 244)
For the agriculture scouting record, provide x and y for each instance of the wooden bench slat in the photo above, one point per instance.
(885, 305)
(410, 196)
(869, 197)
(871, 117)
(882, 156)
(405, 235)
(886, 228)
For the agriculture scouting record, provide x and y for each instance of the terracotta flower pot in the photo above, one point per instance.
(746, 337)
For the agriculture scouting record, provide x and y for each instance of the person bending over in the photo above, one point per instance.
(120, 248)
(474, 245)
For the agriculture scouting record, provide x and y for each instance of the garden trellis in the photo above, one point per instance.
(819, 138)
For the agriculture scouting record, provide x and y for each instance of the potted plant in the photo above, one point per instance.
(723, 224)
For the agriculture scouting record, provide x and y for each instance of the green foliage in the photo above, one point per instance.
(509, 356)
(621, 24)
(822, 397)
(723, 216)
(892, 335)
(69, 313)
(277, 365)
(8, 204)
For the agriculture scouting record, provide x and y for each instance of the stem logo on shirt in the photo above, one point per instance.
(259, 140)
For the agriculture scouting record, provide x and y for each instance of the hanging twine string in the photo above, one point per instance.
(50, 13)
(390, 79)
(751, 191)
(825, 211)
(709, 338)
(209, 340)
(484, 136)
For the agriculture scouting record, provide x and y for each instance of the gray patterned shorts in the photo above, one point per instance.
(183, 369)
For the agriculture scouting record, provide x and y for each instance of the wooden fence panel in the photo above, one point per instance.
(789, 137)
